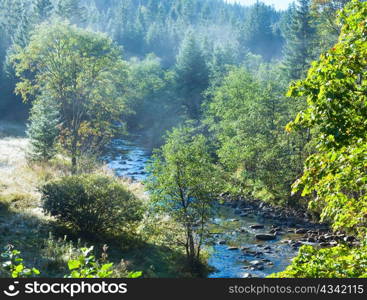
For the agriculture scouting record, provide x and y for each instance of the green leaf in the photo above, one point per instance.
(36, 271)
(73, 264)
(135, 274)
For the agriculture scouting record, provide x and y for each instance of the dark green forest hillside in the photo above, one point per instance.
(225, 33)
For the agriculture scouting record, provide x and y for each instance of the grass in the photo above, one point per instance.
(43, 242)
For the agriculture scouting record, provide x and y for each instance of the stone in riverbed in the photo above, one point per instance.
(247, 275)
(311, 240)
(243, 230)
(257, 226)
(255, 263)
(265, 237)
(349, 238)
(232, 248)
(300, 231)
(221, 242)
(324, 244)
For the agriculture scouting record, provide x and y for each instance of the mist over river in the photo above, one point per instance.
(235, 252)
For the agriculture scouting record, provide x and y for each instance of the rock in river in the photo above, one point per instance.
(265, 237)
(232, 248)
(257, 226)
(255, 262)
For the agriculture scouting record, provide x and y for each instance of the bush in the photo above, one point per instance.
(92, 204)
(12, 266)
(87, 266)
(84, 266)
(335, 262)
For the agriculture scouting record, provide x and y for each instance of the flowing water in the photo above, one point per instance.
(234, 250)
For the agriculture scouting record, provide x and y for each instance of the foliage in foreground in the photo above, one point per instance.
(335, 262)
(92, 204)
(84, 266)
(12, 265)
(337, 108)
(336, 174)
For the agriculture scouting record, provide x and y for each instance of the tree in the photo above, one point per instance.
(247, 117)
(326, 12)
(152, 100)
(183, 184)
(15, 25)
(43, 9)
(70, 10)
(43, 129)
(258, 33)
(300, 41)
(84, 74)
(336, 96)
(192, 76)
(222, 58)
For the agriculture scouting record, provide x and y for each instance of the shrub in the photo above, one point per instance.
(87, 266)
(92, 204)
(12, 265)
(84, 266)
(335, 262)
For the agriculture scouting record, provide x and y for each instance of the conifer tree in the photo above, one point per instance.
(300, 41)
(258, 34)
(192, 76)
(43, 129)
(42, 10)
(70, 10)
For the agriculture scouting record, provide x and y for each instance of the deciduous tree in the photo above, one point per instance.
(82, 71)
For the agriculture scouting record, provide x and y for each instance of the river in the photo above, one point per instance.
(234, 250)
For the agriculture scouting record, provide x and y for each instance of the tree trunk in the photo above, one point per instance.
(74, 169)
(73, 156)
(191, 246)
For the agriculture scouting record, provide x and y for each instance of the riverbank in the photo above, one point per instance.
(290, 221)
